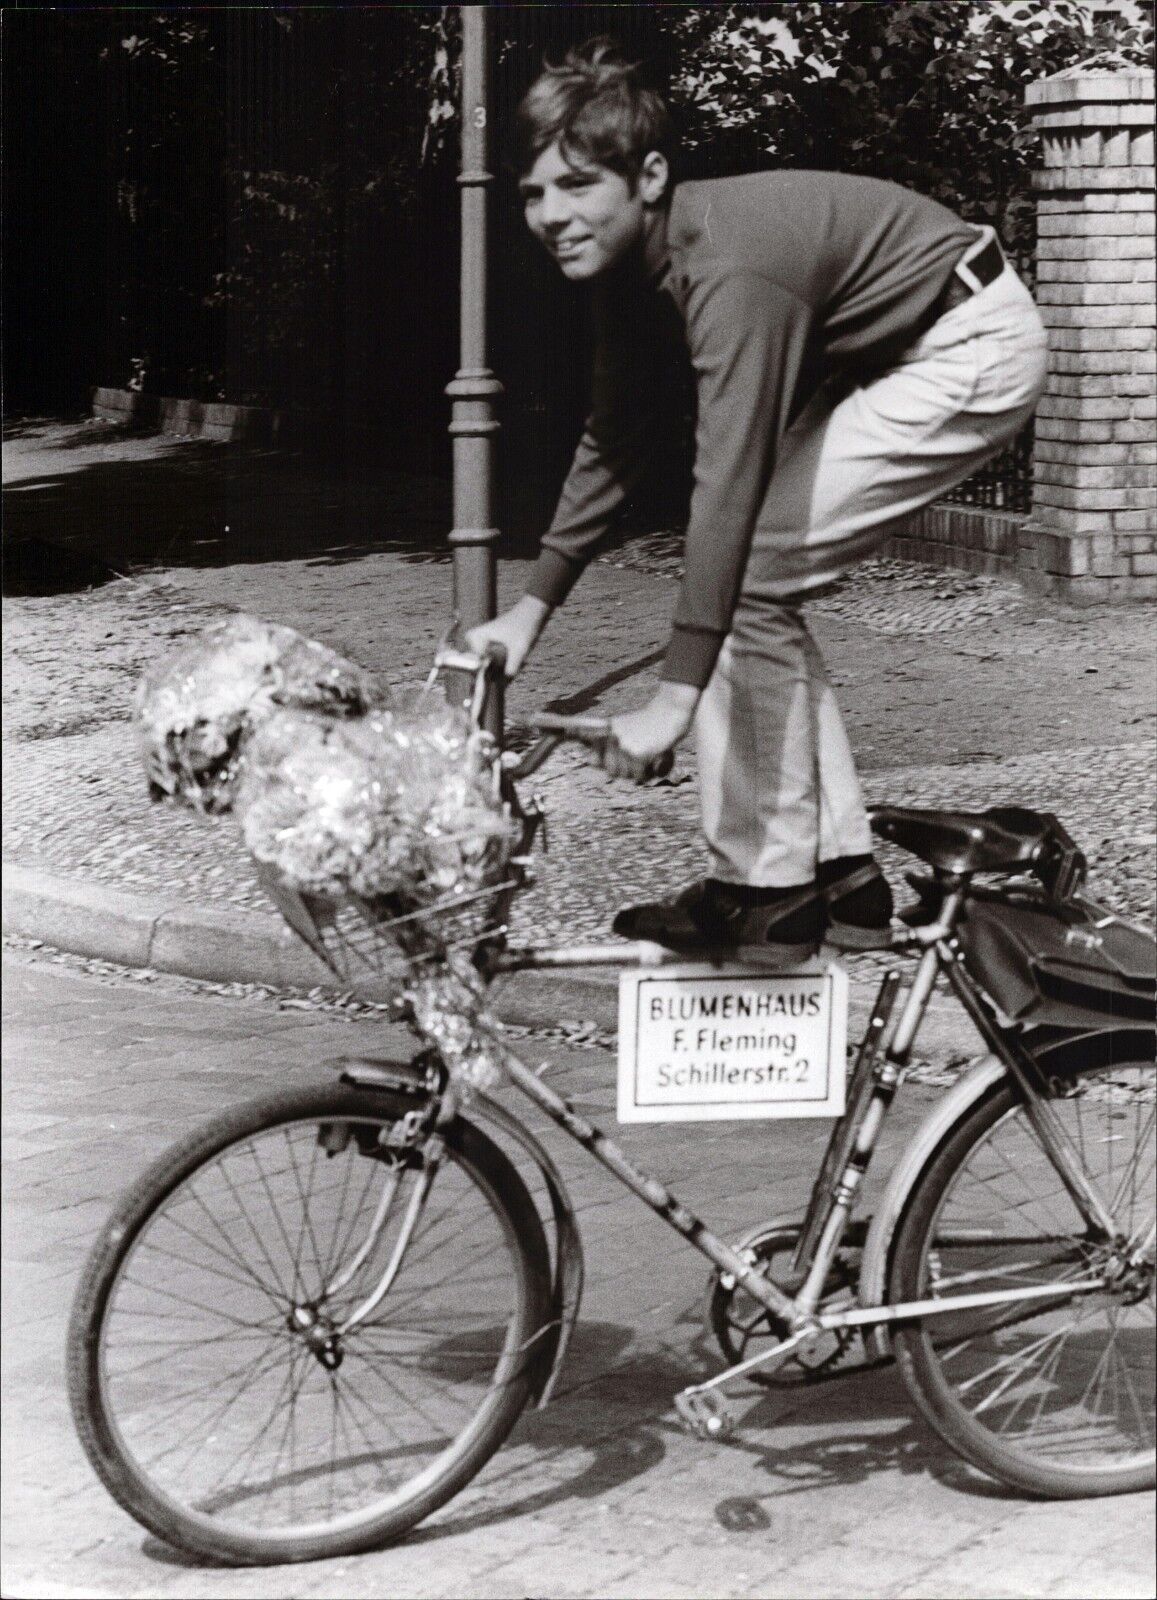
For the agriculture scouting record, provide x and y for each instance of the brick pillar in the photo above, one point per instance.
(1093, 530)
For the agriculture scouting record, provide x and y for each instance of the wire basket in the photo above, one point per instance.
(414, 929)
(388, 938)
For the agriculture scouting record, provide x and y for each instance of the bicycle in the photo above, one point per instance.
(310, 1323)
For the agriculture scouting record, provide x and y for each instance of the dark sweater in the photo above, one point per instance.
(781, 279)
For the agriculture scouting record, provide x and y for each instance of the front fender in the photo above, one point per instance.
(928, 1138)
(423, 1079)
(567, 1288)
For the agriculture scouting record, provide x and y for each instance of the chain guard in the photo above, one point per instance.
(739, 1325)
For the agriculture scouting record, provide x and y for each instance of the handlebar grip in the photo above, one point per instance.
(453, 659)
(582, 730)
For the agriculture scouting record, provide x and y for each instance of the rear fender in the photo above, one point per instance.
(905, 1175)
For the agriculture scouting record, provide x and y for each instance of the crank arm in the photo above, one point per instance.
(704, 1408)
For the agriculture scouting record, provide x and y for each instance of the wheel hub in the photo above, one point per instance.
(1131, 1281)
(319, 1334)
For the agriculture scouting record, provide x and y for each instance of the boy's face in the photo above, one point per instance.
(584, 214)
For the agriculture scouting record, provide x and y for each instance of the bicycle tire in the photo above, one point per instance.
(1052, 1397)
(195, 1297)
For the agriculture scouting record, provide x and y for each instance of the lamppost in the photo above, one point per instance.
(473, 426)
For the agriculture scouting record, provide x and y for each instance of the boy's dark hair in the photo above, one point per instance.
(594, 106)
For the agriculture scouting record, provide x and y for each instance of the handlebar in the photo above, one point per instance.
(448, 658)
(488, 671)
(594, 732)
(555, 730)
(489, 674)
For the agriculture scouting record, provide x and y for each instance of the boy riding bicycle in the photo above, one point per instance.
(858, 350)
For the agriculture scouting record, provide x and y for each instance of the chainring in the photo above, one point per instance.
(739, 1324)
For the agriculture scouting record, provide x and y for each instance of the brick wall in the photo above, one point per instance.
(1092, 534)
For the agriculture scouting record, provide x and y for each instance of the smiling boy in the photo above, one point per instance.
(857, 351)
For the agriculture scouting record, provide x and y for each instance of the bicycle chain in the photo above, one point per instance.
(760, 1247)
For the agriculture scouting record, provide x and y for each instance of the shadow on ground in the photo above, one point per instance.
(33, 566)
(87, 503)
(83, 505)
(631, 1396)
(202, 505)
(618, 1416)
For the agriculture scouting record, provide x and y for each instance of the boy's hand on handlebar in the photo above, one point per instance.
(641, 742)
(516, 630)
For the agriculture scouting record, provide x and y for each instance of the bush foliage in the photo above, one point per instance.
(930, 95)
(268, 196)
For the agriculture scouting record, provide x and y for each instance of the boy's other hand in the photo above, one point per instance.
(516, 630)
(641, 741)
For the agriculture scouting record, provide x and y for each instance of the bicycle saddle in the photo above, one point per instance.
(965, 841)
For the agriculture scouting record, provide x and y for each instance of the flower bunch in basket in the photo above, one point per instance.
(196, 708)
(376, 823)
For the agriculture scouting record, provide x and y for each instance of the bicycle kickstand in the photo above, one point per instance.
(703, 1407)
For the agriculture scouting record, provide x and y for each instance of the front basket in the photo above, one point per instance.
(384, 939)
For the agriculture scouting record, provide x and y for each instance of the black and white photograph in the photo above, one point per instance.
(580, 777)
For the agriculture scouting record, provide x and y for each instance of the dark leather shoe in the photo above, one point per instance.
(859, 903)
(718, 920)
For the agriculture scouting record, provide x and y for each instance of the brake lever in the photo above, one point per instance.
(521, 766)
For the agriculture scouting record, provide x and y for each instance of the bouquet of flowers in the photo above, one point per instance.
(395, 811)
(196, 709)
(388, 814)
(395, 804)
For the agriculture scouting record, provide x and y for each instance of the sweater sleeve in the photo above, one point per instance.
(609, 462)
(748, 337)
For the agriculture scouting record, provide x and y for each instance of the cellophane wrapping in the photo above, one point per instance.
(388, 806)
(195, 710)
(398, 810)
(398, 803)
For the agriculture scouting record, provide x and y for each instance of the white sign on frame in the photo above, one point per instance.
(700, 1043)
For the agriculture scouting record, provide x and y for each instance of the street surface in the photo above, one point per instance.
(830, 1491)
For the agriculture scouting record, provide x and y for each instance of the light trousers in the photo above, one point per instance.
(778, 783)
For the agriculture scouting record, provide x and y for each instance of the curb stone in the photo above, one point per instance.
(91, 919)
(223, 944)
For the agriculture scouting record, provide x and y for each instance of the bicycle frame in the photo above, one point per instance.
(874, 1080)
(884, 1053)
(418, 1271)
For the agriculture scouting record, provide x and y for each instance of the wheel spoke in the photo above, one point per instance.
(224, 1383)
(1058, 1391)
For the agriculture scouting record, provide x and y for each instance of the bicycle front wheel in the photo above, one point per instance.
(215, 1384)
(1054, 1396)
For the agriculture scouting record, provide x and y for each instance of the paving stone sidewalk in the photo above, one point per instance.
(958, 690)
(831, 1491)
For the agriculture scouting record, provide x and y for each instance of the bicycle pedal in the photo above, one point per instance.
(705, 1413)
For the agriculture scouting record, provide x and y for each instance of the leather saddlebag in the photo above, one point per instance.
(1079, 981)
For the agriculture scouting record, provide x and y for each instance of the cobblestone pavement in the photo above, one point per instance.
(834, 1491)
(957, 689)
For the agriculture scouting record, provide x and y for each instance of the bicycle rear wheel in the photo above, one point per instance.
(212, 1385)
(1054, 1396)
